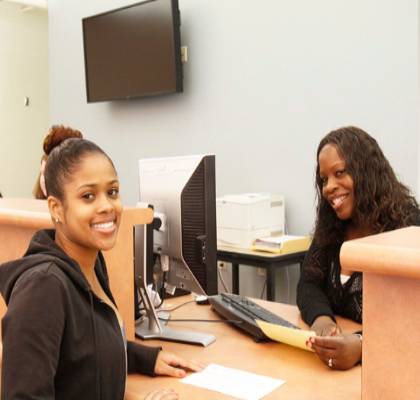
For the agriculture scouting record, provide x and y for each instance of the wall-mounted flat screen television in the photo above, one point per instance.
(133, 51)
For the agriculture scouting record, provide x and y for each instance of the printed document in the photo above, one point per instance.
(233, 382)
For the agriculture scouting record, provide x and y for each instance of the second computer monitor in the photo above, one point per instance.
(182, 192)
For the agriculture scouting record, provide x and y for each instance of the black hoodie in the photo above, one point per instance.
(60, 341)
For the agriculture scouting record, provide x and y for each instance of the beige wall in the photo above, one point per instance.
(23, 72)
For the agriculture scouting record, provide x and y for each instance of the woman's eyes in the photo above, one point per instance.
(88, 196)
(113, 193)
(338, 174)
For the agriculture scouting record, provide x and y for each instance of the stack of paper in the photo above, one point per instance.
(284, 244)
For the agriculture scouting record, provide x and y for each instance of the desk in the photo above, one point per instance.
(257, 259)
(391, 334)
(305, 375)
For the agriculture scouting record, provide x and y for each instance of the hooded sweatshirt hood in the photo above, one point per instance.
(43, 249)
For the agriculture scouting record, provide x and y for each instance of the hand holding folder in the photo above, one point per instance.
(290, 336)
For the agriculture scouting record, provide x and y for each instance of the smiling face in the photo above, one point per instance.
(337, 184)
(90, 211)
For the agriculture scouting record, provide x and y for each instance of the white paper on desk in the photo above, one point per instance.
(233, 382)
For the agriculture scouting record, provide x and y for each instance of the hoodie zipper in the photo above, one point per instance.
(97, 371)
(120, 328)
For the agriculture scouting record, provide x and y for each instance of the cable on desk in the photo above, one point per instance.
(234, 321)
(176, 307)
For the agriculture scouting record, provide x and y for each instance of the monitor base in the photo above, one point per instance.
(152, 324)
(145, 331)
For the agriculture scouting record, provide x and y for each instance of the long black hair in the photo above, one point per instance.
(382, 202)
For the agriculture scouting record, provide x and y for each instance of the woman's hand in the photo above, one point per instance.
(162, 394)
(325, 326)
(172, 365)
(338, 352)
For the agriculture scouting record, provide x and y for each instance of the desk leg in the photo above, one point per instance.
(301, 267)
(235, 278)
(271, 283)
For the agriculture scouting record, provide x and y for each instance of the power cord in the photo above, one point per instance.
(178, 306)
(262, 291)
(233, 321)
(219, 272)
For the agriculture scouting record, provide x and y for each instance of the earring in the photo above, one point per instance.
(57, 220)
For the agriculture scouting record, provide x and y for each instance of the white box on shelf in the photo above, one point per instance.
(242, 218)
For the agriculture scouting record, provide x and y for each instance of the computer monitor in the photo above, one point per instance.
(182, 193)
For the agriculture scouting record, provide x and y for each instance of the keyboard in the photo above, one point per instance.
(242, 312)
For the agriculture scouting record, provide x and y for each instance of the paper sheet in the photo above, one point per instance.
(233, 382)
(293, 337)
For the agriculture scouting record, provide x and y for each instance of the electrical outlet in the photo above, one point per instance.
(261, 272)
(221, 265)
(184, 54)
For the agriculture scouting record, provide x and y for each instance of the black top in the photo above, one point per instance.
(60, 341)
(323, 293)
(320, 291)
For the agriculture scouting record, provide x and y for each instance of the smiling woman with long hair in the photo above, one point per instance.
(63, 337)
(358, 194)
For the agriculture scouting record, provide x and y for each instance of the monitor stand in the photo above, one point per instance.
(150, 327)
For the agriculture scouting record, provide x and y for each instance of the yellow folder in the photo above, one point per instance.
(290, 336)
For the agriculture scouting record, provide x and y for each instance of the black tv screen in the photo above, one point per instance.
(133, 51)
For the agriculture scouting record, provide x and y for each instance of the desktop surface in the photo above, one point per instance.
(305, 375)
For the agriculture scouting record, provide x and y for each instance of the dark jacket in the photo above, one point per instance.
(60, 341)
(323, 293)
(320, 291)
